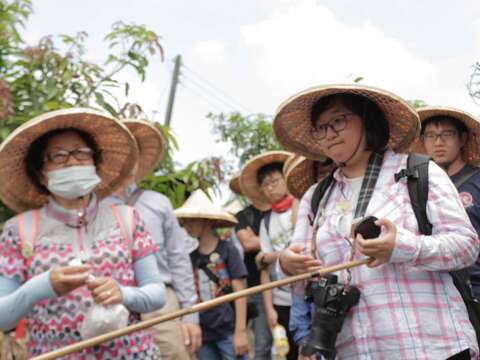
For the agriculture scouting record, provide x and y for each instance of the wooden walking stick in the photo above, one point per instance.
(196, 308)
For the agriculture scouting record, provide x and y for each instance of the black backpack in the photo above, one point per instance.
(417, 183)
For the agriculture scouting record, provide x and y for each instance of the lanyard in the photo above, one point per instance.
(368, 185)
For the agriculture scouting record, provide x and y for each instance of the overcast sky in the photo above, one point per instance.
(258, 53)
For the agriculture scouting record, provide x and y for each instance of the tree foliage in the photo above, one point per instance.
(474, 83)
(55, 74)
(248, 135)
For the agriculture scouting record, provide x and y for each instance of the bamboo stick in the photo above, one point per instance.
(196, 308)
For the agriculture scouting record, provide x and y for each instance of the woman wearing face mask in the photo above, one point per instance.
(408, 307)
(54, 169)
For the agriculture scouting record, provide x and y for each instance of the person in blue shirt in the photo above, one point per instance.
(449, 137)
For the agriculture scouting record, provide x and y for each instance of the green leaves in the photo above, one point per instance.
(44, 76)
(248, 135)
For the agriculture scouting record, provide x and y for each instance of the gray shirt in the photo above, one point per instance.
(173, 260)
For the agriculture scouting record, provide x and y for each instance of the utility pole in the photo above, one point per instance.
(173, 89)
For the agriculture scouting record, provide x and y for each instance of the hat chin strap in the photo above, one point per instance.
(342, 164)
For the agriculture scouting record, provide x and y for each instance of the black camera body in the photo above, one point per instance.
(332, 302)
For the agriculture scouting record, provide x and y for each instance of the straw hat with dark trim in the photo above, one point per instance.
(117, 146)
(199, 206)
(248, 176)
(301, 173)
(471, 150)
(150, 145)
(292, 123)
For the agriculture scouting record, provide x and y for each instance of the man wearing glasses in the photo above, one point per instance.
(450, 137)
(262, 181)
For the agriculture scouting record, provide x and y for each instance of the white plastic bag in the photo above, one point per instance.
(102, 319)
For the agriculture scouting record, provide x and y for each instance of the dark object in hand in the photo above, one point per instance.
(367, 228)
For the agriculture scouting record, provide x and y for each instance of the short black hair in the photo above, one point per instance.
(268, 169)
(377, 129)
(441, 119)
(34, 160)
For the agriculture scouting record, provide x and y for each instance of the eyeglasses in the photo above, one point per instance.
(62, 156)
(444, 136)
(272, 183)
(337, 124)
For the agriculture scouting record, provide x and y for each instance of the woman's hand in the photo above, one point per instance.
(380, 248)
(240, 342)
(105, 291)
(67, 278)
(293, 262)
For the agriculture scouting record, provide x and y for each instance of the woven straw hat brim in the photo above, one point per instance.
(199, 206)
(301, 173)
(234, 207)
(291, 159)
(248, 176)
(150, 145)
(292, 123)
(117, 146)
(234, 184)
(218, 220)
(471, 150)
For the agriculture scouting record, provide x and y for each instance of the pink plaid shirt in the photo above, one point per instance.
(409, 308)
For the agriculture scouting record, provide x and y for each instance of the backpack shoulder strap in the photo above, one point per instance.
(318, 194)
(126, 222)
(470, 171)
(417, 183)
(266, 219)
(27, 224)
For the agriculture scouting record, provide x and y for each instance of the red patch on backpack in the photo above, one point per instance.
(467, 199)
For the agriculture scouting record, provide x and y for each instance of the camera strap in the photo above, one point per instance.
(368, 186)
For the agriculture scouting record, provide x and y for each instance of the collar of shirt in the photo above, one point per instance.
(72, 217)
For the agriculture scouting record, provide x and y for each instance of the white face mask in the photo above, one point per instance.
(73, 182)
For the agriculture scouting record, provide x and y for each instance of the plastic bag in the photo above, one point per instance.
(102, 319)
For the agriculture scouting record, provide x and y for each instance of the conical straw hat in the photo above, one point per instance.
(117, 148)
(199, 206)
(248, 176)
(234, 184)
(292, 123)
(471, 150)
(150, 145)
(301, 173)
(234, 207)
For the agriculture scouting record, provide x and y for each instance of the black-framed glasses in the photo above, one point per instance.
(337, 124)
(444, 136)
(274, 182)
(61, 156)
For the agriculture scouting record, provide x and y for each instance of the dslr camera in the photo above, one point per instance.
(332, 302)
